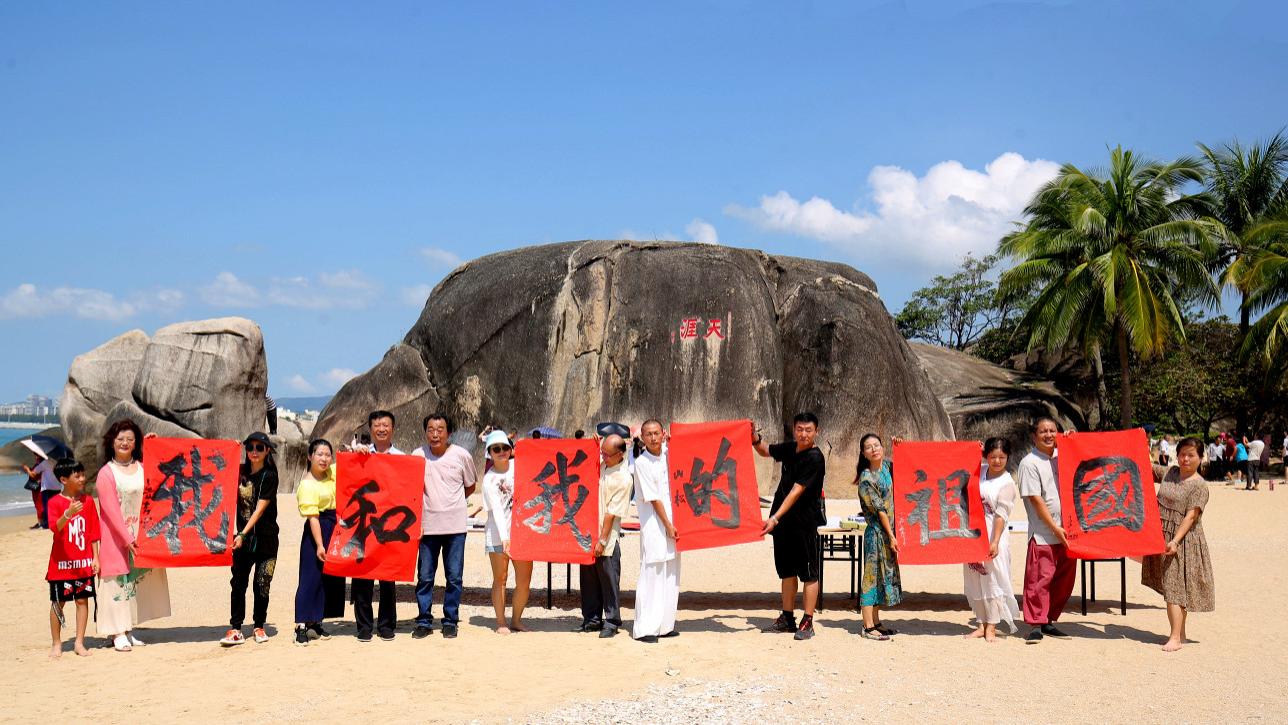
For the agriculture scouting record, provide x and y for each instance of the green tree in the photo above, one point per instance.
(1249, 187)
(1108, 255)
(1196, 384)
(956, 310)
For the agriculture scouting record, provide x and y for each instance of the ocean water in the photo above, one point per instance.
(14, 499)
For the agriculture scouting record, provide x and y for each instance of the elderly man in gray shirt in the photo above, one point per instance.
(1048, 570)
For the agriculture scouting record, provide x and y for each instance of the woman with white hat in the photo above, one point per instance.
(498, 499)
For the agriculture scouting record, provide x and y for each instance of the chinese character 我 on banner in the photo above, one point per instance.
(189, 510)
(555, 516)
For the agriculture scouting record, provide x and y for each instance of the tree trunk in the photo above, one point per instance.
(1125, 400)
(1102, 391)
(1241, 415)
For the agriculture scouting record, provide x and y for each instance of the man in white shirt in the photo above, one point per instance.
(449, 480)
(600, 582)
(381, 425)
(1255, 446)
(658, 593)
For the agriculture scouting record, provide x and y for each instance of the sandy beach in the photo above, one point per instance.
(721, 668)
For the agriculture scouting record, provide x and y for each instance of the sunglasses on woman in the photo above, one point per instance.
(498, 449)
(256, 447)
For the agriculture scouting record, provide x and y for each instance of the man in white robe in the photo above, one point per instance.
(658, 593)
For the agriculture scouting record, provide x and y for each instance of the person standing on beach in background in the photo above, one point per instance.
(1183, 572)
(319, 595)
(794, 519)
(498, 501)
(601, 581)
(49, 486)
(657, 595)
(33, 485)
(255, 543)
(881, 585)
(270, 413)
(988, 583)
(130, 595)
(1049, 572)
(1255, 447)
(449, 480)
(1241, 464)
(381, 425)
(73, 559)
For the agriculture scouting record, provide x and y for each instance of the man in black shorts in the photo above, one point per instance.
(794, 520)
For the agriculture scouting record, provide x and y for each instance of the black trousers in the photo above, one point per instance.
(263, 565)
(600, 590)
(361, 592)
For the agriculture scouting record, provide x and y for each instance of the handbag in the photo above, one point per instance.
(32, 484)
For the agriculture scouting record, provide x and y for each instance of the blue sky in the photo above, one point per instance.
(318, 166)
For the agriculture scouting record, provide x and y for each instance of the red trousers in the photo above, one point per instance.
(1048, 582)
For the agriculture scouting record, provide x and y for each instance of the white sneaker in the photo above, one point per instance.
(121, 643)
(135, 640)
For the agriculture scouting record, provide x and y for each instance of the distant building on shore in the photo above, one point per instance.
(36, 406)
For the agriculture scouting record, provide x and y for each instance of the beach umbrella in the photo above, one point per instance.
(546, 432)
(608, 428)
(47, 447)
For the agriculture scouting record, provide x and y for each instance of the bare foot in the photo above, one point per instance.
(516, 627)
(79, 649)
(990, 637)
(1172, 645)
(56, 651)
(977, 634)
(502, 629)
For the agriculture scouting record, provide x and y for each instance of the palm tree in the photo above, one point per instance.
(1249, 189)
(1109, 255)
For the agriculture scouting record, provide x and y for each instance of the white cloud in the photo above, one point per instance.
(932, 220)
(441, 257)
(299, 384)
(228, 291)
(336, 377)
(328, 290)
(416, 296)
(27, 300)
(702, 231)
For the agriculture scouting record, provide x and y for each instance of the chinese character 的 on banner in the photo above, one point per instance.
(714, 496)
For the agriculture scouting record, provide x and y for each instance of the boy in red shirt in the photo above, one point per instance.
(73, 561)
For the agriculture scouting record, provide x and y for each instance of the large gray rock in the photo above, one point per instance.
(571, 334)
(203, 379)
(985, 400)
(96, 381)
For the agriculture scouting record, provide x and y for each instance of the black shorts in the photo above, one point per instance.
(796, 554)
(68, 590)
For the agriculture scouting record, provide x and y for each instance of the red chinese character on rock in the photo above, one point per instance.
(713, 328)
(689, 328)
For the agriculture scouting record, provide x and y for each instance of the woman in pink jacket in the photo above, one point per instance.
(127, 595)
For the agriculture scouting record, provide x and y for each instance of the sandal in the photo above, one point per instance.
(879, 636)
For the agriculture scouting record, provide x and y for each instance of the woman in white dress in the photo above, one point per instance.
(127, 595)
(498, 499)
(988, 583)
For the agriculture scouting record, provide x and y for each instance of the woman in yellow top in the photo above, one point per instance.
(319, 595)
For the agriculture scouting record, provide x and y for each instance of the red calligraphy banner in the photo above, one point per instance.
(189, 512)
(939, 517)
(556, 500)
(1108, 506)
(378, 499)
(714, 495)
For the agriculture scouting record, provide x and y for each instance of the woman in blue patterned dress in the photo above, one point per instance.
(880, 585)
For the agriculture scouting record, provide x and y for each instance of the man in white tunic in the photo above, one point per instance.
(658, 592)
